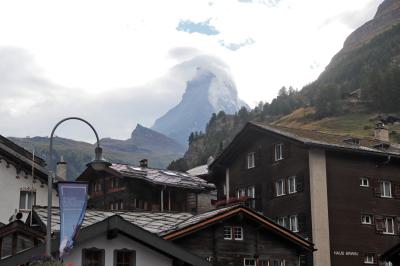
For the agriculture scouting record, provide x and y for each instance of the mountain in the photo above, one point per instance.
(144, 143)
(206, 93)
(360, 85)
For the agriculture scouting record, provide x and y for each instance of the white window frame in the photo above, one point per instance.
(251, 163)
(226, 230)
(236, 229)
(364, 219)
(294, 223)
(369, 259)
(27, 194)
(251, 192)
(278, 152)
(282, 221)
(364, 182)
(387, 221)
(282, 186)
(292, 185)
(384, 193)
(249, 262)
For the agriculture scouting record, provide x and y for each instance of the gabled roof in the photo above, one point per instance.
(115, 224)
(158, 176)
(313, 138)
(154, 222)
(204, 220)
(21, 158)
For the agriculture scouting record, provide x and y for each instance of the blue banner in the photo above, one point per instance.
(73, 200)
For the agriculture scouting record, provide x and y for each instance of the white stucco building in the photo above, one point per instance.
(18, 189)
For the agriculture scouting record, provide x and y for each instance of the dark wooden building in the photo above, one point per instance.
(127, 187)
(340, 192)
(237, 235)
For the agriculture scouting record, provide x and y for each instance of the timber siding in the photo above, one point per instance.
(347, 240)
(258, 242)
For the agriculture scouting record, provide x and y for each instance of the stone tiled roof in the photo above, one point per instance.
(154, 222)
(312, 137)
(163, 177)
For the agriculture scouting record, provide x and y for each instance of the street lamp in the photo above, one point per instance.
(98, 164)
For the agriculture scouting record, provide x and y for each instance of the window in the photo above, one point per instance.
(292, 184)
(364, 182)
(278, 152)
(282, 221)
(386, 189)
(97, 186)
(249, 262)
(233, 233)
(6, 247)
(240, 192)
(366, 219)
(124, 257)
(250, 160)
(369, 259)
(237, 233)
(26, 199)
(293, 223)
(24, 243)
(114, 182)
(389, 226)
(251, 192)
(387, 263)
(278, 263)
(227, 232)
(93, 257)
(280, 187)
(224, 189)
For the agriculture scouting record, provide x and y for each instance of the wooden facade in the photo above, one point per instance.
(329, 176)
(260, 242)
(113, 190)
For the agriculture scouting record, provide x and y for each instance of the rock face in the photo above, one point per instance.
(145, 140)
(205, 93)
(388, 14)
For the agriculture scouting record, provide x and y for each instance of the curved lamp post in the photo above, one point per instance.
(98, 164)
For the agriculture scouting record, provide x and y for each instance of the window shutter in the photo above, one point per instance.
(397, 221)
(301, 217)
(396, 190)
(273, 190)
(272, 154)
(300, 182)
(286, 150)
(377, 188)
(379, 224)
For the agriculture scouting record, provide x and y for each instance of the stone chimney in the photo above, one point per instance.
(381, 132)
(61, 169)
(143, 163)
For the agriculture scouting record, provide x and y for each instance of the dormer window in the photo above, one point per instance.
(354, 141)
(382, 146)
(251, 160)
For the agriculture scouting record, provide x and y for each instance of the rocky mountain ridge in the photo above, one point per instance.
(206, 93)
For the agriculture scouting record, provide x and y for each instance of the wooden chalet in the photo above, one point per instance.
(340, 192)
(128, 187)
(237, 235)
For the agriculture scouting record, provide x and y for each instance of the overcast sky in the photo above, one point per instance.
(118, 63)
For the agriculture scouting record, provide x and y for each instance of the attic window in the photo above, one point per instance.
(382, 146)
(355, 141)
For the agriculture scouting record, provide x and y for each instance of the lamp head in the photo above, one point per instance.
(99, 163)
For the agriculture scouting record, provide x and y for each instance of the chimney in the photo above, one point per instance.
(381, 132)
(61, 169)
(143, 163)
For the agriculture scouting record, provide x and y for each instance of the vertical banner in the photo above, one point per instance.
(73, 201)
